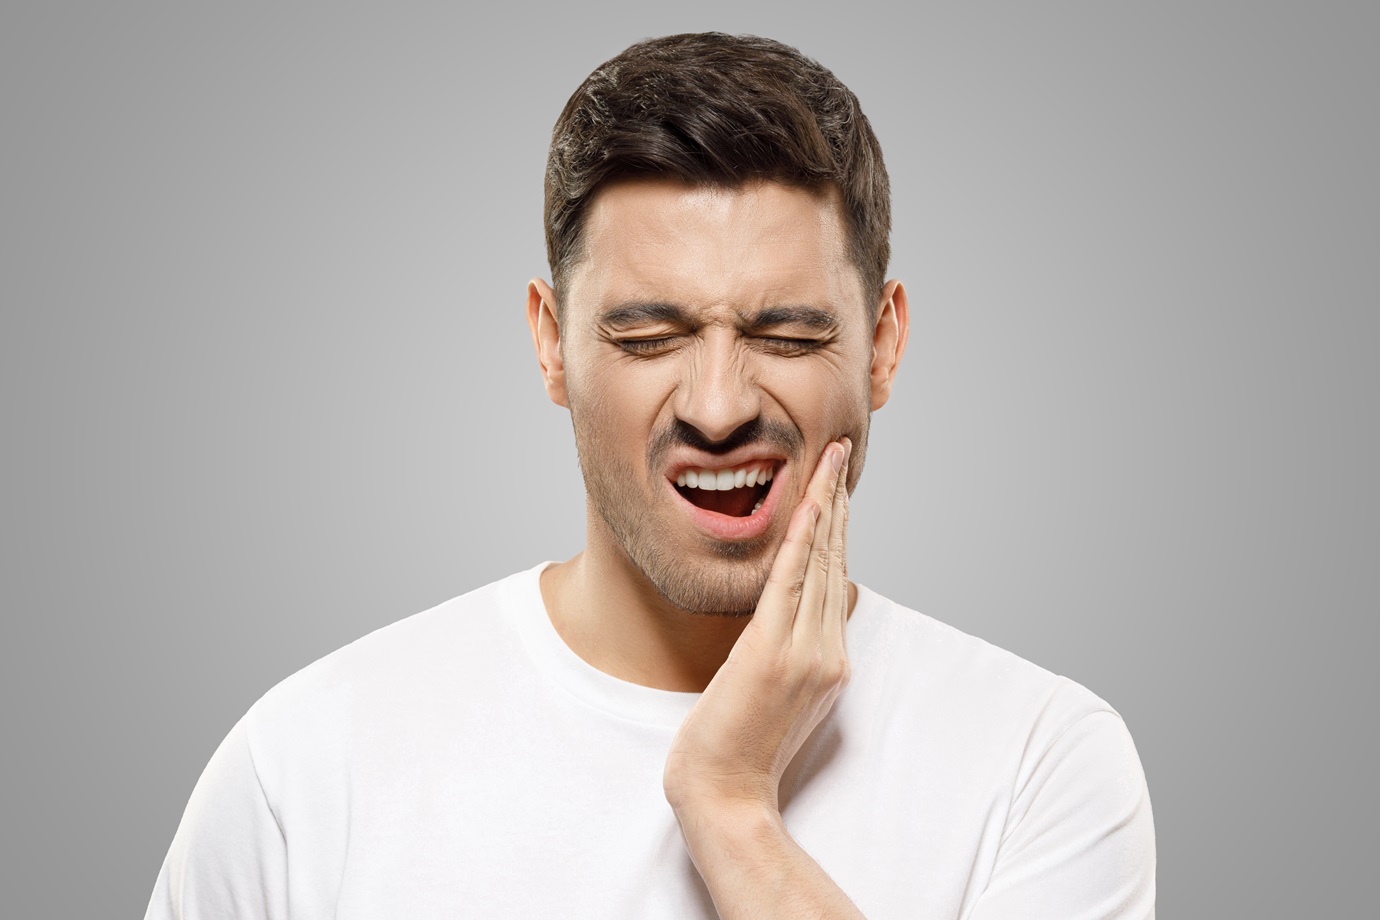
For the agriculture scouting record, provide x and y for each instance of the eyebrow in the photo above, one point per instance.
(630, 314)
(634, 314)
(806, 317)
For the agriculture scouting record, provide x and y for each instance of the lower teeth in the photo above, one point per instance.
(757, 506)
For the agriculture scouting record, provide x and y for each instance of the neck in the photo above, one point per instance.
(611, 616)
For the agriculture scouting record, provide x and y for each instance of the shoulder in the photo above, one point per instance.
(977, 715)
(401, 668)
(1050, 761)
(960, 675)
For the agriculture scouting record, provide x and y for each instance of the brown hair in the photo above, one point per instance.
(715, 109)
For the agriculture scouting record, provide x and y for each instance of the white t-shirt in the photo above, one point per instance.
(464, 762)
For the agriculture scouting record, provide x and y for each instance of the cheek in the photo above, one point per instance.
(826, 400)
(617, 397)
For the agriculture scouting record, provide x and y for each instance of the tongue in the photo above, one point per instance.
(733, 502)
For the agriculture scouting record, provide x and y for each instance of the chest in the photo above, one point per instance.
(561, 813)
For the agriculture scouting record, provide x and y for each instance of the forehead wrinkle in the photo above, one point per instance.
(718, 253)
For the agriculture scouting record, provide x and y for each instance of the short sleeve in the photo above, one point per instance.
(1080, 839)
(228, 858)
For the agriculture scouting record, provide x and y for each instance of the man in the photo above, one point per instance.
(665, 725)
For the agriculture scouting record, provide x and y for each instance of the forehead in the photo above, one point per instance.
(753, 246)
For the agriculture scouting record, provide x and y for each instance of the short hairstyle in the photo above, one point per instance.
(720, 110)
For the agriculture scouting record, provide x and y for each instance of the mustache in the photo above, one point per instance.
(768, 433)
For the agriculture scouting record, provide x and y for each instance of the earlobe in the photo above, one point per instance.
(889, 340)
(546, 338)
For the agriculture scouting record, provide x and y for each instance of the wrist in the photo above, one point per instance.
(748, 821)
(696, 794)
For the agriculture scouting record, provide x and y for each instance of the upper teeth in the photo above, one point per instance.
(723, 480)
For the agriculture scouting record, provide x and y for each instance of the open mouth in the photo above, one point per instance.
(736, 492)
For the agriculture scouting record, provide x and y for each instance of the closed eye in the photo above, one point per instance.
(646, 346)
(780, 344)
(789, 345)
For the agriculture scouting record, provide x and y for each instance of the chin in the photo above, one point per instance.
(727, 586)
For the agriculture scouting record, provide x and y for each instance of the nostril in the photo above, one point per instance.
(717, 419)
(717, 439)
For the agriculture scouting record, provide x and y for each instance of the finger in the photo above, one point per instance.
(781, 596)
(847, 587)
(823, 485)
(832, 614)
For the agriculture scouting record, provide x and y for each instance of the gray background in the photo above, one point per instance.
(266, 383)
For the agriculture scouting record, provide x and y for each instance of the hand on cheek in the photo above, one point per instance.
(787, 667)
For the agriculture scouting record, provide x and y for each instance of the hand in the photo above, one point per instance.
(786, 669)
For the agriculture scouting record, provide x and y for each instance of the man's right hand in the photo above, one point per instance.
(779, 682)
(786, 669)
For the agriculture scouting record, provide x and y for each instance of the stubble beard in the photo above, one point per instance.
(723, 579)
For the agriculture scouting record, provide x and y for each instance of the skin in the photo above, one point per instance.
(756, 624)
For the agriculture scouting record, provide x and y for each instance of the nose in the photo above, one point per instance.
(717, 395)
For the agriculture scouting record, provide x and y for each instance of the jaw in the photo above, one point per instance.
(672, 572)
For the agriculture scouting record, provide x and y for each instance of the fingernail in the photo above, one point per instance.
(836, 458)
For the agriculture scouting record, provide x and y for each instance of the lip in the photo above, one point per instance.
(734, 460)
(724, 526)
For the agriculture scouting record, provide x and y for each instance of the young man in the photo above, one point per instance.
(665, 725)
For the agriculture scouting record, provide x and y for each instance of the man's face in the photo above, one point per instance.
(711, 336)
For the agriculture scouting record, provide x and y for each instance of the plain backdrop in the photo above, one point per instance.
(267, 386)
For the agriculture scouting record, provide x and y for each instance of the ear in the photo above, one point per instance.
(889, 340)
(546, 338)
